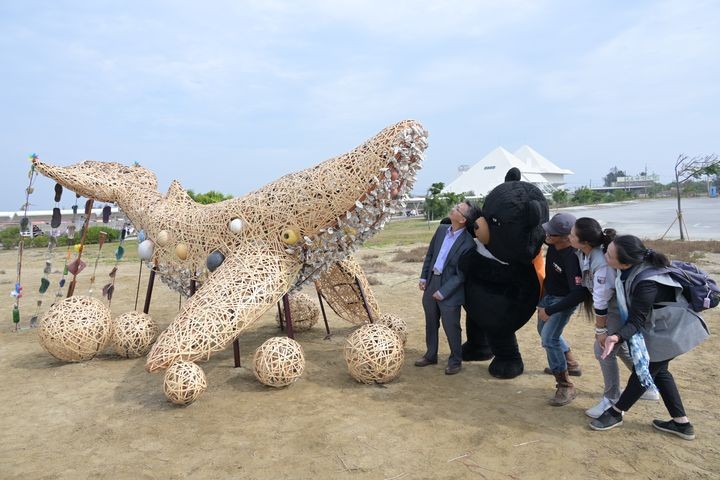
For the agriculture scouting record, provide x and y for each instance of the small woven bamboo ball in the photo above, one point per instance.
(76, 328)
(303, 311)
(374, 354)
(133, 333)
(396, 324)
(279, 361)
(184, 382)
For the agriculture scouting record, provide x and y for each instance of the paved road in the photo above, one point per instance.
(651, 218)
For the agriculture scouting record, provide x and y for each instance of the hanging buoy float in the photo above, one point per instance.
(182, 251)
(163, 238)
(214, 260)
(146, 248)
(235, 225)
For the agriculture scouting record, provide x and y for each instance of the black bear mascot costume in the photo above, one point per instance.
(502, 287)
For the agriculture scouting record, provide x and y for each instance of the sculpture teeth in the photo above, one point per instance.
(333, 244)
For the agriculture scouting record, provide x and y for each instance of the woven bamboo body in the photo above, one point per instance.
(292, 230)
(341, 285)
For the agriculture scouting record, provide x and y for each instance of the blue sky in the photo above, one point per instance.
(229, 95)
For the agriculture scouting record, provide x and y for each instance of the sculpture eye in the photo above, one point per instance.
(290, 236)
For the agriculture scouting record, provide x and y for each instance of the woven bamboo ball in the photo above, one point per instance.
(279, 362)
(396, 324)
(303, 311)
(133, 334)
(76, 328)
(374, 354)
(184, 382)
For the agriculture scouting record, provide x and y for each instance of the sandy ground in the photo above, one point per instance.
(108, 418)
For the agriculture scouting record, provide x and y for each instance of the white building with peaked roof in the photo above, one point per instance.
(538, 164)
(491, 169)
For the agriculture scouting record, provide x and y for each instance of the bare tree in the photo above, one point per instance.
(695, 167)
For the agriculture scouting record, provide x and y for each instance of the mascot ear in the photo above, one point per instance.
(535, 213)
(513, 175)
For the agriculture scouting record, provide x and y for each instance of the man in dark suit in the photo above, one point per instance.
(442, 283)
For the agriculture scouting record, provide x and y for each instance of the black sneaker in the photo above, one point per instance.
(609, 419)
(682, 430)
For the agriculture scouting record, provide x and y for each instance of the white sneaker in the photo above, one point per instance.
(598, 409)
(651, 394)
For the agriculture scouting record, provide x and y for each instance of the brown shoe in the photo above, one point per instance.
(565, 392)
(452, 369)
(424, 362)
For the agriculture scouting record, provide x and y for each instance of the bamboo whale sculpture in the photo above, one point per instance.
(272, 239)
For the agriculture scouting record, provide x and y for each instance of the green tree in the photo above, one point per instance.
(209, 197)
(687, 168)
(439, 203)
(584, 195)
(560, 196)
(612, 176)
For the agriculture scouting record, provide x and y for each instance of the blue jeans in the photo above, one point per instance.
(551, 334)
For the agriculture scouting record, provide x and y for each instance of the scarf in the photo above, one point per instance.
(638, 350)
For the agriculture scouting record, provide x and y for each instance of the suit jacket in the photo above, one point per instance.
(452, 279)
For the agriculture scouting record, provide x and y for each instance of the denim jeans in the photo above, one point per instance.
(551, 334)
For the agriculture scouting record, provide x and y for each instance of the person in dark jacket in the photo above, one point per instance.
(563, 292)
(651, 299)
(442, 284)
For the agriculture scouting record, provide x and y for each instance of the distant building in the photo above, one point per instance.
(642, 180)
(639, 184)
(491, 169)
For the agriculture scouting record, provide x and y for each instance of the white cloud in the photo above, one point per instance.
(657, 65)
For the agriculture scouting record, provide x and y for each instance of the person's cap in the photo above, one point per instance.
(559, 224)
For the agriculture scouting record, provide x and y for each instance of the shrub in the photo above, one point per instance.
(94, 232)
(10, 238)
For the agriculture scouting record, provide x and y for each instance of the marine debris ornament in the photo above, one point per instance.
(332, 208)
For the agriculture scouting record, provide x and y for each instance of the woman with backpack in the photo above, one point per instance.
(658, 326)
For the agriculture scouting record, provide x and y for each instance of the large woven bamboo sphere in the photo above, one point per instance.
(396, 324)
(133, 333)
(76, 328)
(374, 354)
(184, 382)
(303, 312)
(279, 361)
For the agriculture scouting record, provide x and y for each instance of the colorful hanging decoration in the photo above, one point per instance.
(70, 235)
(50, 254)
(77, 265)
(109, 288)
(25, 231)
(102, 236)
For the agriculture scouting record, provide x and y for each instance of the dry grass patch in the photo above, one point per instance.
(687, 251)
(377, 266)
(414, 255)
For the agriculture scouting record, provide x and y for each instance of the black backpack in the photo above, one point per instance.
(698, 288)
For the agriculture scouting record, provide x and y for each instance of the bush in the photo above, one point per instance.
(10, 238)
(94, 232)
